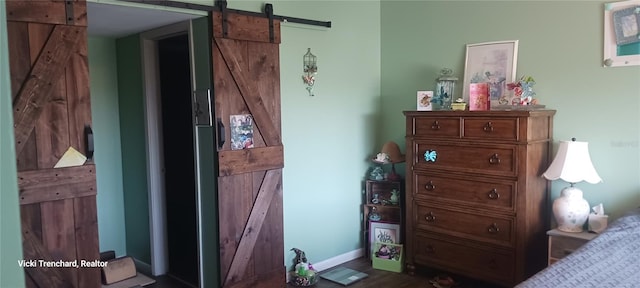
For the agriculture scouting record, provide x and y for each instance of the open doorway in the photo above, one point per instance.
(178, 162)
(178, 153)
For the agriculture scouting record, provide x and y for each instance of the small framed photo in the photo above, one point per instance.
(383, 232)
(627, 25)
(490, 62)
(424, 100)
(619, 28)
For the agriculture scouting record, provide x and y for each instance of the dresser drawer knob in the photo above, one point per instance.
(495, 159)
(493, 194)
(430, 186)
(430, 217)
(435, 125)
(488, 127)
(430, 155)
(429, 249)
(493, 263)
(493, 228)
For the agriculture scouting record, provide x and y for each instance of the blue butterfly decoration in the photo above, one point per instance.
(430, 155)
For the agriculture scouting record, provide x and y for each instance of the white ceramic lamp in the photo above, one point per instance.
(572, 164)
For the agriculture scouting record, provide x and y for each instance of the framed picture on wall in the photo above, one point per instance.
(621, 45)
(383, 232)
(490, 62)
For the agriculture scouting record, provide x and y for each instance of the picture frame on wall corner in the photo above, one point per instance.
(490, 62)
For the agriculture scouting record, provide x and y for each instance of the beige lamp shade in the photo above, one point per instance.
(392, 150)
(572, 164)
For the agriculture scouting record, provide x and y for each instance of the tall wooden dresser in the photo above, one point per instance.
(476, 203)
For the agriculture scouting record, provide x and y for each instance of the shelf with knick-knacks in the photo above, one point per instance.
(382, 203)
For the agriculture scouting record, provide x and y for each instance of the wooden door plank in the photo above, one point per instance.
(270, 186)
(52, 127)
(271, 235)
(235, 207)
(31, 220)
(37, 11)
(20, 64)
(47, 276)
(245, 27)
(18, 40)
(248, 160)
(78, 96)
(50, 130)
(264, 64)
(265, 280)
(37, 89)
(228, 99)
(57, 183)
(249, 92)
(86, 232)
(58, 233)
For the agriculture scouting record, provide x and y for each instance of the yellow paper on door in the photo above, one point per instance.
(71, 158)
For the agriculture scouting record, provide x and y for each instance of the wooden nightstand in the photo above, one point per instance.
(562, 243)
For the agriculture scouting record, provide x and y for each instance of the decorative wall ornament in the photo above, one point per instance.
(309, 69)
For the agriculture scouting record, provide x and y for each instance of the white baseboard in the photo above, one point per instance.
(337, 260)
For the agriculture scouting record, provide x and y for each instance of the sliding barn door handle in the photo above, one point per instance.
(88, 141)
(221, 136)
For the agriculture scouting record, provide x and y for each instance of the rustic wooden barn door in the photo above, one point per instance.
(247, 88)
(50, 87)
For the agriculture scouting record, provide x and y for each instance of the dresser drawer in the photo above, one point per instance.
(495, 265)
(490, 229)
(497, 160)
(491, 128)
(470, 191)
(560, 246)
(437, 127)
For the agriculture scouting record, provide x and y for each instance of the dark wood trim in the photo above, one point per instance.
(235, 162)
(56, 184)
(270, 186)
(38, 87)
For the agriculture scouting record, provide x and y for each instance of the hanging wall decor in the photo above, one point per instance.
(309, 69)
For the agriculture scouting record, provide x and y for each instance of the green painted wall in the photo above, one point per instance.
(10, 241)
(327, 138)
(134, 161)
(560, 44)
(106, 128)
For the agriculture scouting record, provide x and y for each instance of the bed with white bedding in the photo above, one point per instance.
(610, 260)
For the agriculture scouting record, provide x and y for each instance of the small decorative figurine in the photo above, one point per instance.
(373, 215)
(302, 274)
(394, 197)
(523, 89)
(377, 174)
(375, 199)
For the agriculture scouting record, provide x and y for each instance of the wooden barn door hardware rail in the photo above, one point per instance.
(222, 6)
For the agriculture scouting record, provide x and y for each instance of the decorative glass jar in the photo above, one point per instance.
(445, 88)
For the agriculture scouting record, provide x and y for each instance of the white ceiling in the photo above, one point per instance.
(109, 20)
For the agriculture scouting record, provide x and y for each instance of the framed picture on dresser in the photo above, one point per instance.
(383, 232)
